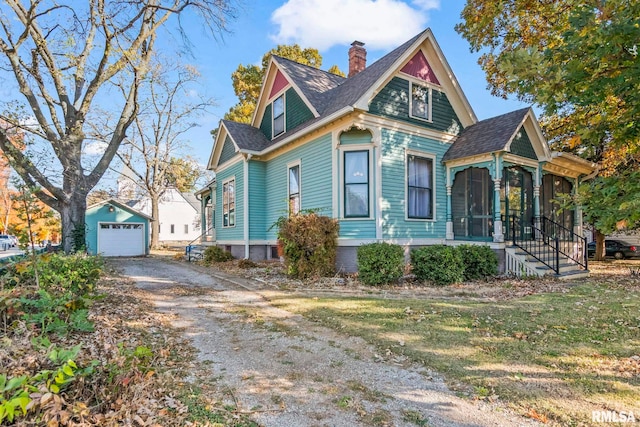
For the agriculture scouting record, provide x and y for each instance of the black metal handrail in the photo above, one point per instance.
(530, 239)
(570, 244)
(547, 242)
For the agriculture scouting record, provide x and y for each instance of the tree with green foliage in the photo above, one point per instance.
(577, 60)
(247, 79)
(63, 58)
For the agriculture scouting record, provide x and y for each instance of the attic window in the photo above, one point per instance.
(278, 116)
(420, 104)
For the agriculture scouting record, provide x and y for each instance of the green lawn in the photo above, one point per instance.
(556, 355)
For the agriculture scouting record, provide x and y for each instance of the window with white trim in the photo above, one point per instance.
(278, 115)
(419, 187)
(294, 189)
(173, 229)
(229, 203)
(186, 229)
(356, 184)
(420, 102)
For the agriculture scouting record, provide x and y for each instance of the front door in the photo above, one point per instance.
(516, 205)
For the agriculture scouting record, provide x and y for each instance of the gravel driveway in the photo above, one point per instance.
(288, 371)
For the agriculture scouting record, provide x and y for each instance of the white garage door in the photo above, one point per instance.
(121, 239)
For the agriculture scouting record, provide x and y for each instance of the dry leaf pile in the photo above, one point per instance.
(130, 369)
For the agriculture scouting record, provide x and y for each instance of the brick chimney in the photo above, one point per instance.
(357, 58)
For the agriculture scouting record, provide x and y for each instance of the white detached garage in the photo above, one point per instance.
(114, 229)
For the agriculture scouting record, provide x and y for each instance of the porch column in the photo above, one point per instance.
(449, 232)
(536, 206)
(577, 212)
(498, 233)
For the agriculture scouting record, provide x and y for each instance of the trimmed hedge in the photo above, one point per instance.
(439, 264)
(480, 262)
(380, 263)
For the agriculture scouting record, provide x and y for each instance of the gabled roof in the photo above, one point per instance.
(350, 92)
(329, 95)
(488, 136)
(312, 82)
(245, 136)
(192, 200)
(121, 206)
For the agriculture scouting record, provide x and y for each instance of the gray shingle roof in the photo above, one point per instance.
(246, 136)
(327, 92)
(313, 82)
(486, 136)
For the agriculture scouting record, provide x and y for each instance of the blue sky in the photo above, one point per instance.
(331, 26)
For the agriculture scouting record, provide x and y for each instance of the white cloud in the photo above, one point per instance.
(321, 24)
(95, 147)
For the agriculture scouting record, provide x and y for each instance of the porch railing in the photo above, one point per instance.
(569, 244)
(189, 247)
(548, 242)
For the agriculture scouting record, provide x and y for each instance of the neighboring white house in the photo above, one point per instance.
(178, 213)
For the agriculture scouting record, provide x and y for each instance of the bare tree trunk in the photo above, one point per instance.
(72, 216)
(600, 251)
(155, 222)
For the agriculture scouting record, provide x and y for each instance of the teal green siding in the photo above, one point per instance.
(521, 145)
(98, 214)
(266, 126)
(315, 180)
(355, 137)
(394, 187)
(236, 232)
(297, 111)
(358, 229)
(228, 150)
(257, 200)
(393, 102)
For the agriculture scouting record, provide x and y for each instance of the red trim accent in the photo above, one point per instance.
(419, 67)
(279, 83)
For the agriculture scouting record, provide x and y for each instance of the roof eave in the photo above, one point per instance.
(319, 124)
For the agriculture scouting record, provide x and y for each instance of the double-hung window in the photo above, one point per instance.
(356, 184)
(229, 203)
(420, 101)
(419, 187)
(278, 116)
(294, 189)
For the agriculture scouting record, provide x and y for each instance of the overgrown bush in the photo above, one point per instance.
(439, 264)
(310, 244)
(380, 263)
(480, 262)
(59, 304)
(216, 254)
(57, 273)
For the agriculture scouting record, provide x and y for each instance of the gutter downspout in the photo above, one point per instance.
(246, 205)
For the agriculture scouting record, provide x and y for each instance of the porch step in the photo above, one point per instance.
(522, 263)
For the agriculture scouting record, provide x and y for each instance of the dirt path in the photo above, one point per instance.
(288, 371)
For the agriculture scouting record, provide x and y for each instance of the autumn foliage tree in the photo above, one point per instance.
(62, 58)
(578, 60)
